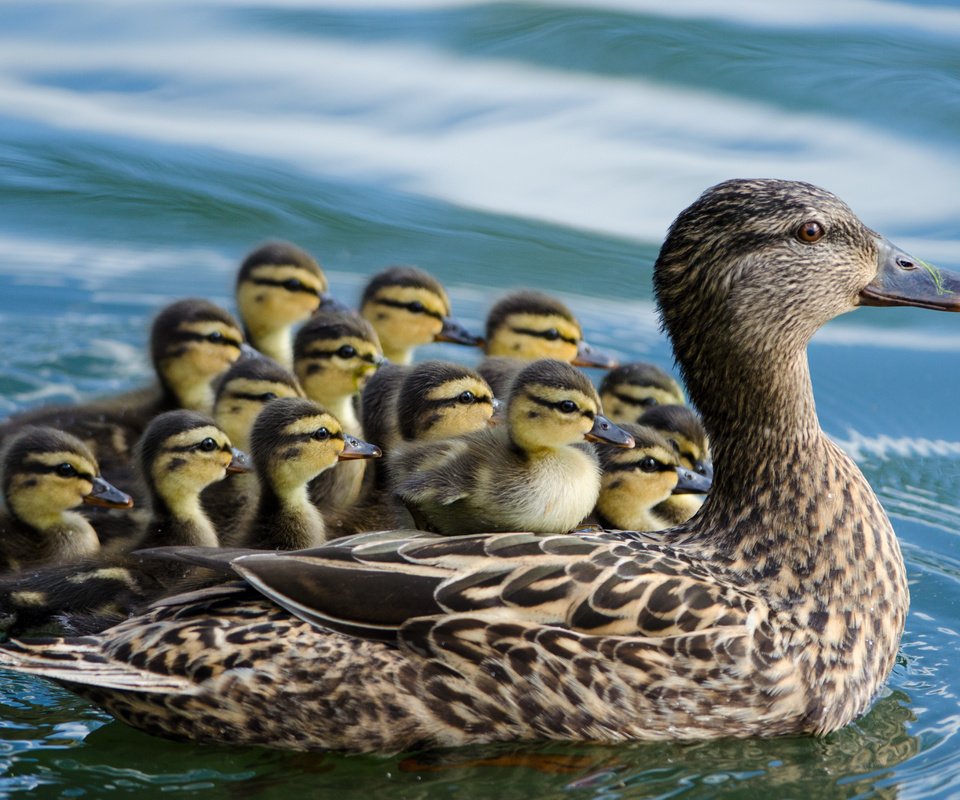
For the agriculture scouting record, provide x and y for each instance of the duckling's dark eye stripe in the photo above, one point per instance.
(634, 401)
(556, 404)
(370, 358)
(258, 397)
(546, 335)
(414, 307)
(190, 336)
(186, 448)
(285, 284)
(308, 437)
(629, 466)
(440, 402)
(47, 469)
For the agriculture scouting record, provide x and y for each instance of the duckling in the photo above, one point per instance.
(293, 440)
(45, 474)
(637, 483)
(531, 474)
(777, 610)
(191, 342)
(629, 390)
(279, 285)
(528, 325)
(409, 308)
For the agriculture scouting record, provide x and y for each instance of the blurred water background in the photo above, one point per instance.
(146, 147)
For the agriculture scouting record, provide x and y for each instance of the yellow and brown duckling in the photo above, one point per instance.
(629, 390)
(293, 441)
(776, 610)
(637, 484)
(278, 286)
(527, 325)
(532, 473)
(409, 308)
(44, 475)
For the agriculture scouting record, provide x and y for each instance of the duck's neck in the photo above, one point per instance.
(286, 520)
(180, 521)
(275, 343)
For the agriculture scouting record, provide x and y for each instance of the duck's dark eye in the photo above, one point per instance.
(208, 445)
(321, 434)
(567, 406)
(416, 307)
(700, 467)
(552, 334)
(347, 351)
(811, 231)
(649, 464)
(266, 397)
(66, 470)
(215, 338)
(292, 285)
(466, 397)
(646, 402)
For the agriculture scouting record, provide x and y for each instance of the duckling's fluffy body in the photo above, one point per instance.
(776, 610)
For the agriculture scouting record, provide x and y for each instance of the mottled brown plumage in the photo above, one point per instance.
(776, 610)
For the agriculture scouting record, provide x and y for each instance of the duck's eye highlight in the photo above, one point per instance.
(811, 231)
(292, 285)
(466, 397)
(215, 338)
(416, 307)
(567, 406)
(551, 335)
(649, 464)
(208, 445)
(321, 434)
(347, 351)
(66, 470)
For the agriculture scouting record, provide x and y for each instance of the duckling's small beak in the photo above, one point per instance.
(249, 351)
(453, 332)
(239, 463)
(330, 304)
(355, 448)
(588, 356)
(906, 281)
(106, 495)
(604, 430)
(690, 482)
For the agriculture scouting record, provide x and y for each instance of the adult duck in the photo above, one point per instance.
(776, 610)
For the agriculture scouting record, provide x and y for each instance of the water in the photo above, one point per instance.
(145, 148)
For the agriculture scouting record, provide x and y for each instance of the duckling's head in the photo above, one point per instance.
(440, 399)
(192, 342)
(630, 389)
(278, 285)
(46, 471)
(760, 265)
(181, 453)
(242, 392)
(552, 404)
(634, 481)
(295, 439)
(682, 428)
(409, 308)
(530, 325)
(334, 355)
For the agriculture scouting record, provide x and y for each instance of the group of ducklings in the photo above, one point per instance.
(259, 435)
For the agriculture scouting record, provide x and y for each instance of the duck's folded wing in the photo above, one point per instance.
(583, 583)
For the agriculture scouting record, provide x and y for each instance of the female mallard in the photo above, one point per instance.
(776, 610)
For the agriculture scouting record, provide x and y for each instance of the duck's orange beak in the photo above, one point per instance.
(906, 281)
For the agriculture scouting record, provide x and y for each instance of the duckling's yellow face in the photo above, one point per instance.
(689, 452)
(633, 482)
(45, 484)
(196, 353)
(275, 296)
(331, 370)
(405, 317)
(459, 406)
(239, 402)
(543, 416)
(626, 402)
(303, 449)
(531, 336)
(188, 462)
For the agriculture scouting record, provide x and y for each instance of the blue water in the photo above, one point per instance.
(144, 148)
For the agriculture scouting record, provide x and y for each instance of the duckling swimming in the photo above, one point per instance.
(294, 440)
(629, 390)
(45, 474)
(637, 483)
(409, 308)
(527, 325)
(776, 610)
(531, 474)
(279, 285)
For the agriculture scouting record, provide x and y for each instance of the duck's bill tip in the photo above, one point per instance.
(589, 356)
(690, 482)
(239, 463)
(454, 332)
(903, 280)
(605, 431)
(106, 495)
(355, 448)
(329, 304)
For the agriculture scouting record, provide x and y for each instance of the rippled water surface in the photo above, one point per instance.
(144, 148)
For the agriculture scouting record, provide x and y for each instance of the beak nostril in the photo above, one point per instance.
(905, 263)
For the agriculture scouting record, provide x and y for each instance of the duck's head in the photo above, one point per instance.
(752, 269)
(192, 342)
(181, 453)
(531, 325)
(279, 285)
(440, 399)
(334, 355)
(552, 404)
(636, 480)
(294, 439)
(682, 428)
(409, 308)
(242, 392)
(630, 389)
(46, 471)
